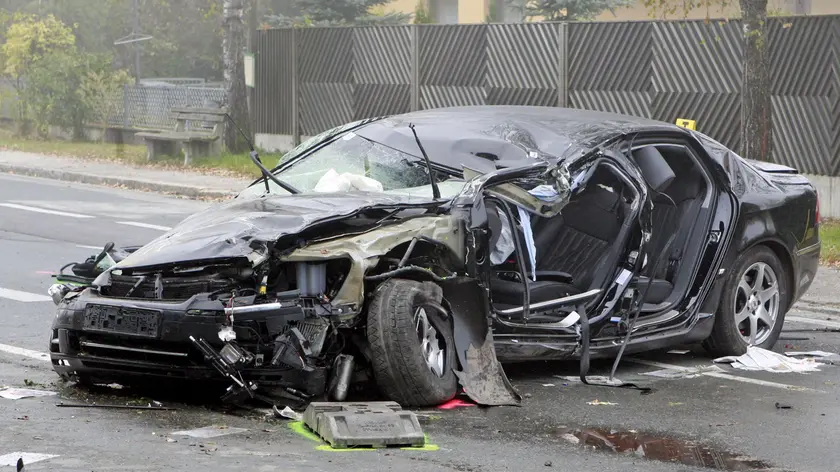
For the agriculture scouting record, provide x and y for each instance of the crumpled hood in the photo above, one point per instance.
(245, 227)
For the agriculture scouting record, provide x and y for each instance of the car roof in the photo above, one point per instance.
(479, 137)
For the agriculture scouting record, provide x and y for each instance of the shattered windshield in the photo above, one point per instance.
(353, 163)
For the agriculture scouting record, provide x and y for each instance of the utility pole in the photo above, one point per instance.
(135, 29)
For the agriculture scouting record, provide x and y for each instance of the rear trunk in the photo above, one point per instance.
(779, 174)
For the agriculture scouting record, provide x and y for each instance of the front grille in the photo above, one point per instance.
(174, 288)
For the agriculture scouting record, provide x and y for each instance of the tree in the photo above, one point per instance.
(233, 47)
(569, 10)
(756, 127)
(337, 13)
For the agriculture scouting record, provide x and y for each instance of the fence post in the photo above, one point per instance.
(414, 77)
(295, 123)
(126, 123)
(562, 67)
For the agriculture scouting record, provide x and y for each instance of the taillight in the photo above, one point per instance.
(817, 214)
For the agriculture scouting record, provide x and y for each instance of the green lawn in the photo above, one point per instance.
(239, 164)
(830, 235)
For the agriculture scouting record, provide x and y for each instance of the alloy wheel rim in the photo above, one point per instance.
(756, 304)
(430, 342)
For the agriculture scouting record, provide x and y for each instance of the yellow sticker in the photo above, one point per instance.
(690, 124)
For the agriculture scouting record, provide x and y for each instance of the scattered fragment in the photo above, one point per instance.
(571, 438)
(757, 358)
(170, 440)
(679, 351)
(287, 413)
(12, 459)
(548, 463)
(115, 407)
(810, 354)
(210, 431)
(782, 406)
(686, 373)
(115, 386)
(548, 385)
(675, 403)
(13, 393)
(23, 418)
(454, 403)
(598, 402)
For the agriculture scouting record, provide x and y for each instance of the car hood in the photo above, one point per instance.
(248, 227)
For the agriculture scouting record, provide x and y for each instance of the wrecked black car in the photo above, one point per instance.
(419, 250)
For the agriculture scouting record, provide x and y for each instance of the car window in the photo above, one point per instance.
(354, 163)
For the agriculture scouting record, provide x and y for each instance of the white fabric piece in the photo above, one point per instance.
(545, 193)
(12, 393)
(757, 358)
(332, 182)
(10, 460)
(504, 246)
(525, 220)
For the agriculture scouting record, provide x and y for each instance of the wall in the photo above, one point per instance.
(309, 80)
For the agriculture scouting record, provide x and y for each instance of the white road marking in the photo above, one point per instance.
(144, 225)
(11, 459)
(19, 296)
(89, 247)
(19, 351)
(720, 375)
(44, 210)
(815, 321)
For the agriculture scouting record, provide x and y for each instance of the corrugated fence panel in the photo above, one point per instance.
(610, 67)
(518, 73)
(274, 63)
(453, 65)
(381, 71)
(325, 74)
(804, 56)
(697, 69)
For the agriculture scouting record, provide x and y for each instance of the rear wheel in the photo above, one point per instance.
(752, 309)
(411, 344)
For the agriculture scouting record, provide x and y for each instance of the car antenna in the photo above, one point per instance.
(255, 158)
(435, 189)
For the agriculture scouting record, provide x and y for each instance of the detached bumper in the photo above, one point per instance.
(109, 339)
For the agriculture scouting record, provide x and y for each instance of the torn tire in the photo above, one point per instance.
(412, 348)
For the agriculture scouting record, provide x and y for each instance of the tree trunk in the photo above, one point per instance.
(755, 97)
(236, 96)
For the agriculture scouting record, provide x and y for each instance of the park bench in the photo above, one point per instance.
(198, 131)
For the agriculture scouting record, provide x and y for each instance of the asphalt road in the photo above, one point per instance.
(721, 421)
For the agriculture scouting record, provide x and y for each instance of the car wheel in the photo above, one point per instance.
(411, 344)
(753, 305)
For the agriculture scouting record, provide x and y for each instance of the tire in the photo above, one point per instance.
(397, 359)
(728, 337)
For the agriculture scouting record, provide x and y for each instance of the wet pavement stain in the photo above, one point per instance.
(667, 450)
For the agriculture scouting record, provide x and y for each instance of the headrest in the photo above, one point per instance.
(654, 168)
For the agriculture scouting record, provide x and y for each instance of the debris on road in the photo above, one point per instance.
(13, 393)
(683, 373)
(599, 403)
(287, 413)
(114, 407)
(210, 431)
(782, 406)
(11, 459)
(761, 359)
(365, 424)
(454, 403)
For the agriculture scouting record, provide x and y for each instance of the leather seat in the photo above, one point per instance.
(510, 292)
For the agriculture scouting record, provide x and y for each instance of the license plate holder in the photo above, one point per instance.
(122, 320)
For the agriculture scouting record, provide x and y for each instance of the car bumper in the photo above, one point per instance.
(82, 347)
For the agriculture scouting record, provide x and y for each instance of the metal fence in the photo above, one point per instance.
(149, 107)
(310, 79)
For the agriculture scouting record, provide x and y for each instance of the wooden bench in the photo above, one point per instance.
(202, 137)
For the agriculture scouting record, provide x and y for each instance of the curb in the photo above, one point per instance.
(818, 307)
(133, 184)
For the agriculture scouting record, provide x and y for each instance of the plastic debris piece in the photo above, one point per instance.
(288, 413)
(227, 334)
(599, 403)
(686, 373)
(571, 438)
(782, 406)
(13, 393)
(210, 432)
(454, 403)
(757, 358)
(679, 351)
(545, 193)
(548, 385)
(810, 354)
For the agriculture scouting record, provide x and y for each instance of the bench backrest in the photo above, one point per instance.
(208, 120)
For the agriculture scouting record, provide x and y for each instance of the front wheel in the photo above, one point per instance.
(752, 309)
(412, 348)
